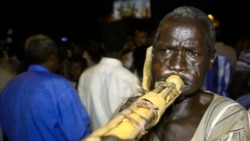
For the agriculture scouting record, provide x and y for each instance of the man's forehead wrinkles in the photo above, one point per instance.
(177, 42)
(182, 32)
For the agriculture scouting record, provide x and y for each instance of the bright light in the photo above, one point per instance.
(211, 17)
(216, 22)
(64, 39)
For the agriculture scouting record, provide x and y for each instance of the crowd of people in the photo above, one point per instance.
(39, 104)
(68, 91)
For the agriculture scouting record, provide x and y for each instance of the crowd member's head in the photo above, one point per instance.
(143, 32)
(184, 45)
(77, 66)
(94, 49)
(141, 36)
(76, 49)
(42, 50)
(113, 38)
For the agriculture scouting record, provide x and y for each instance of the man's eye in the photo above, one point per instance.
(165, 51)
(168, 51)
(191, 53)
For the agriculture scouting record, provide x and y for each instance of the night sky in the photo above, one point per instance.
(79, 17)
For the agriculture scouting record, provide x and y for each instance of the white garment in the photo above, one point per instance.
(128, 60)
(103, 87)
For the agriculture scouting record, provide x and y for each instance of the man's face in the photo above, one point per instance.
(76, 69)
(182, 49)
(141, 38)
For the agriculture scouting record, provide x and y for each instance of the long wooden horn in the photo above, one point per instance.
(144, 113)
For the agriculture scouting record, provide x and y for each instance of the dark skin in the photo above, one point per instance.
(182, 50)
(52, 62)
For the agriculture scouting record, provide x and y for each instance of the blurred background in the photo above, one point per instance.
(74, 25)
(78, 19)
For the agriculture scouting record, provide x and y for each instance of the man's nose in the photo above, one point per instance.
(178, 62)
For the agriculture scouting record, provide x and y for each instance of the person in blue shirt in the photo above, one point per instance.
(40, 105)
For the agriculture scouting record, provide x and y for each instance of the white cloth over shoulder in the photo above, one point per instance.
(224, 120)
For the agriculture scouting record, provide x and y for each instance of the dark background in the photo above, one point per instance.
(78, 18)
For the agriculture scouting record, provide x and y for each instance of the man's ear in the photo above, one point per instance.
(212, 59)
(52, 62)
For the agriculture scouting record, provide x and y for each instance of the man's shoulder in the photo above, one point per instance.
(222, 99)
(222, 104)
